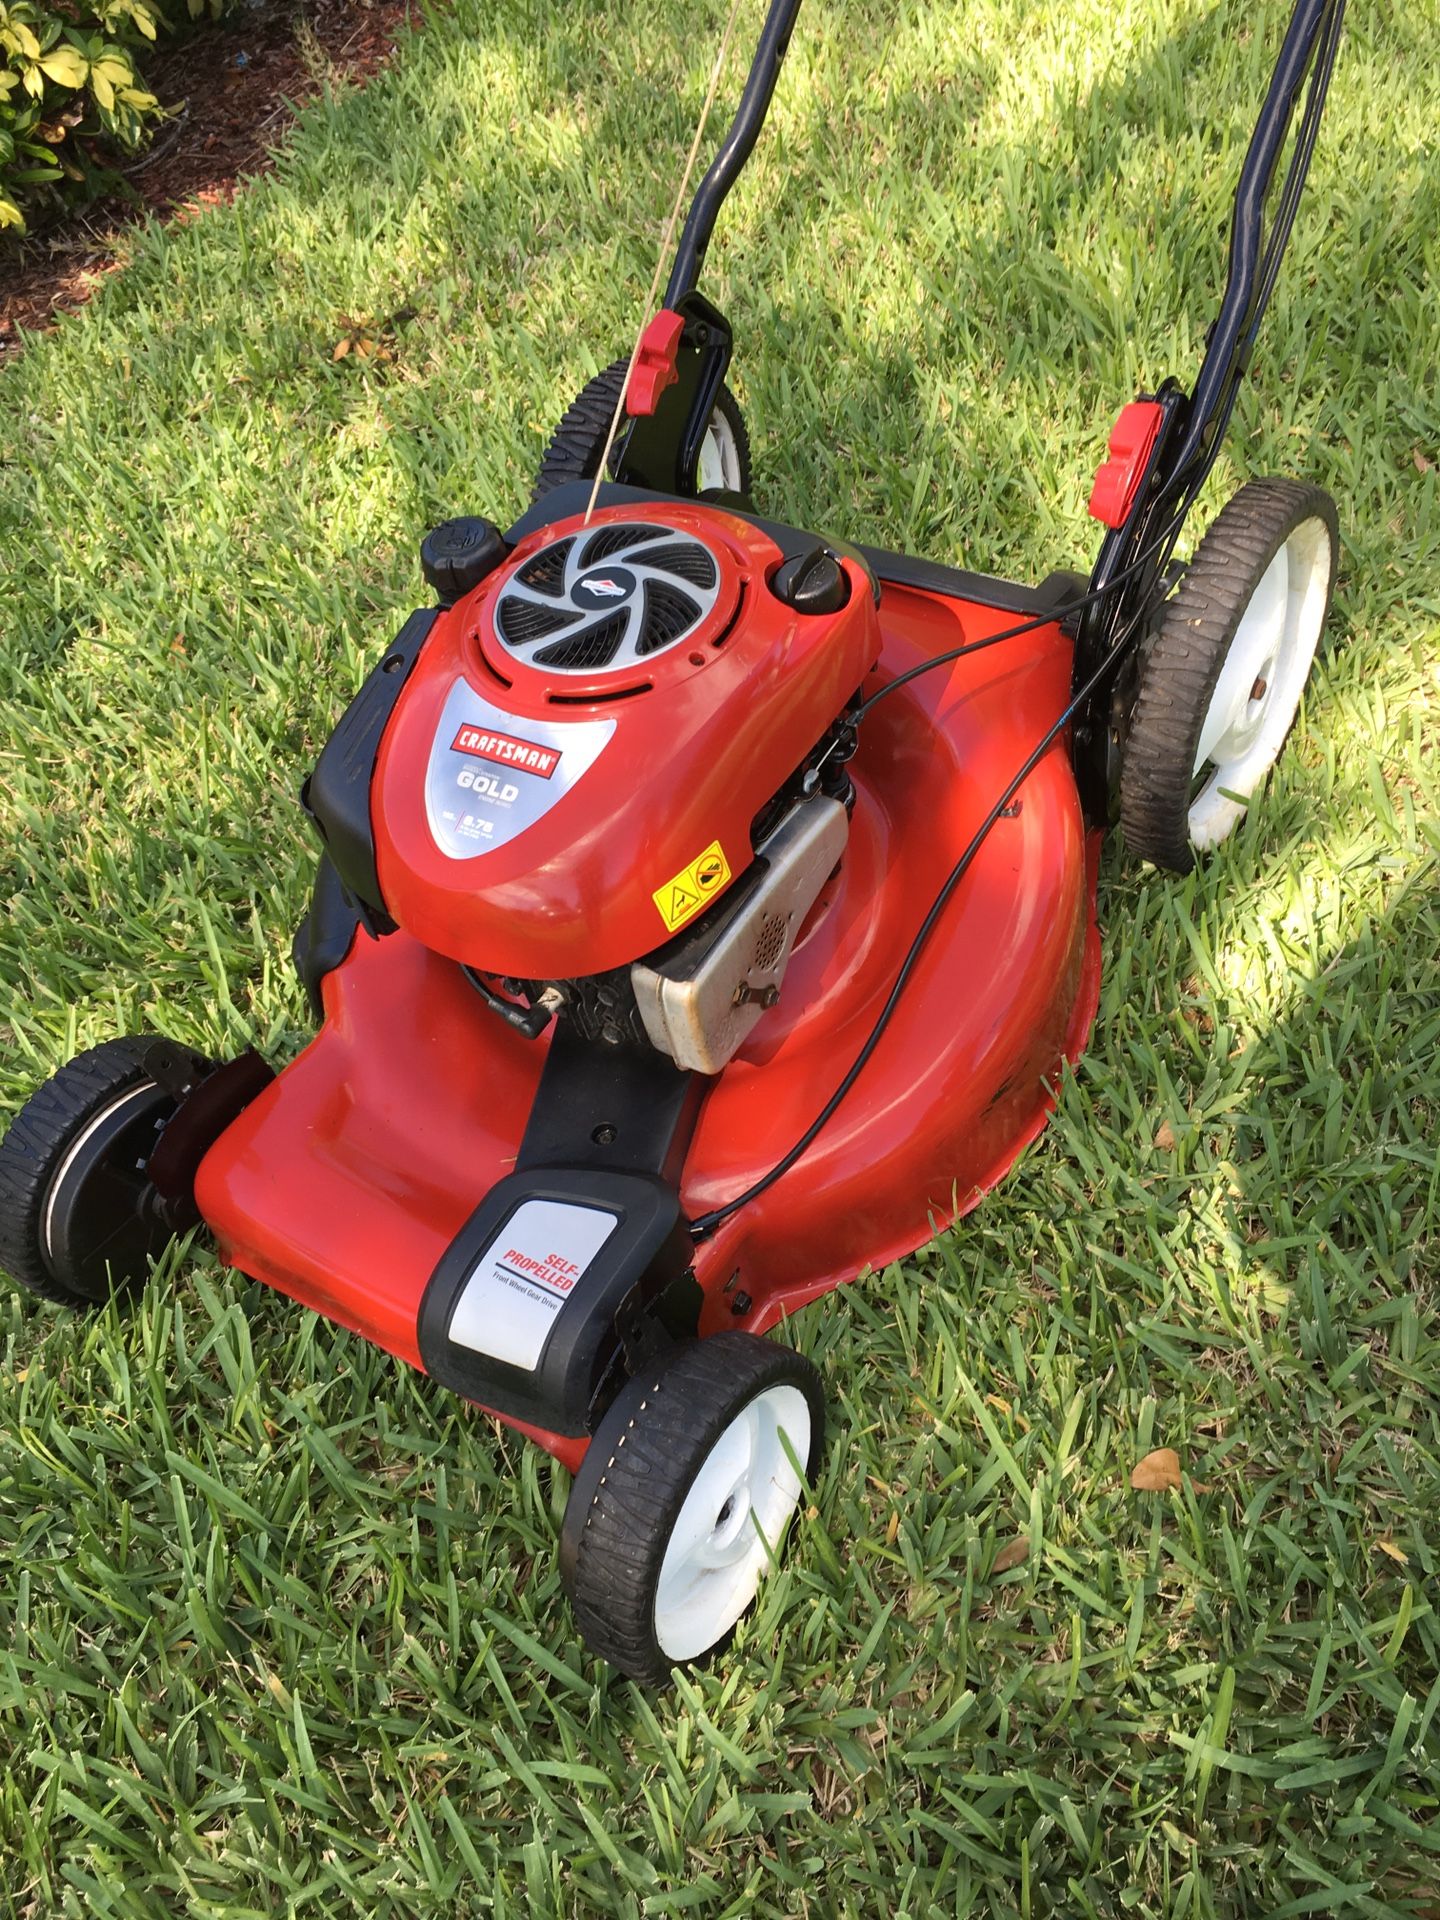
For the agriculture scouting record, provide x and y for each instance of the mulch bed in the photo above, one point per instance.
(238, 83)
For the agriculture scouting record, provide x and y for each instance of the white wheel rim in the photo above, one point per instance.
(1258, 693)
(719, 464)
(732, 1519)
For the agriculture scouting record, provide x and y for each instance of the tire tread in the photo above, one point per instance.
(687, 1400)
(1180, 672)
(36, 1141)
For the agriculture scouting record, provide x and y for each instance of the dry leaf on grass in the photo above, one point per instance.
(1395, 1553)
(1165, 1137)
(1157, 1471)
(1012, 1555)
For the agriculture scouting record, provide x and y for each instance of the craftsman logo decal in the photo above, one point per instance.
(693, 888)
(485, 786)
(509, 751)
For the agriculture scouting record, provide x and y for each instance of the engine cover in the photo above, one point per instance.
(572, 771)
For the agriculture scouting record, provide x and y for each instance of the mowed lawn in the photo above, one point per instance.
(281, 1631)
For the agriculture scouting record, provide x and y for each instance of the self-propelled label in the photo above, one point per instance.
(515, 1290)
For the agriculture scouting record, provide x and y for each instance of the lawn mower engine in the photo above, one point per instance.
(609, 785)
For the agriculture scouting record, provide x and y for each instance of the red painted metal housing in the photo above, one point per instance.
(347, 1178)
(702, 735)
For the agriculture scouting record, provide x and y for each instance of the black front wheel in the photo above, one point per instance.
(683, 1498)
(78, 1215)
(578, 442)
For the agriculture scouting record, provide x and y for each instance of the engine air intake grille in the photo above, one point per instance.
(546, 572)
(586, 649)
(521, 622)
(669, 615)
(607, 598)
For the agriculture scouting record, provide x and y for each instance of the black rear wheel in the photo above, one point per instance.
(1220, 685)
(684, 1496)
(78, 1215)
(578, 442)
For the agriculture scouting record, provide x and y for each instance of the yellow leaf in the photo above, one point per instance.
(65, 66)
(892, 1532)
(115, 70)
(1395, 1553)
(998, 1401)
(101, 88)
(1012, 1556)
(1157, 1471)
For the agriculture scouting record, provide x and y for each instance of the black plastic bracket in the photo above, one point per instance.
(208, 1102)
(521, 1313)
(546, 1329)
(662, 449)
(325, 935)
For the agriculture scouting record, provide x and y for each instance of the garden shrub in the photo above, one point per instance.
(68, 75)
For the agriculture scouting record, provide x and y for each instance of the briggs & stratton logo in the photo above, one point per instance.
(611, 589)
(508, 751)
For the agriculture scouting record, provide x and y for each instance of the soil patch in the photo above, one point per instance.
(235, 87)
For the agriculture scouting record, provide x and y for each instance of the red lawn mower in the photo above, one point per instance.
(706, 910)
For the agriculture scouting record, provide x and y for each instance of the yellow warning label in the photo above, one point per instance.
(693, 887)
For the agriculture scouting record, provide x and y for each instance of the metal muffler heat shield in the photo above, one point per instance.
(701, 996)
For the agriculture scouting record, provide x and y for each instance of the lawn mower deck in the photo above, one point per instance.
(346, 1181)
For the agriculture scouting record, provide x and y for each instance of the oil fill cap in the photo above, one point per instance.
(458, 554)
(812, 582)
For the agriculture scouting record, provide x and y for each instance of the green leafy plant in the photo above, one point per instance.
(69, 82)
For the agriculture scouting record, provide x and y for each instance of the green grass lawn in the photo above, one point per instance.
(282, 1631)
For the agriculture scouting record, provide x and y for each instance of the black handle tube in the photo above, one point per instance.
(1251, 278)
(738, 146)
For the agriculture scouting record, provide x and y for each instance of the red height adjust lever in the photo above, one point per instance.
(1132, 440)
(654, 368)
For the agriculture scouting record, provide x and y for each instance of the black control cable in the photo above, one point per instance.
(1163, 544)
(706, 1223)
(1056, 616)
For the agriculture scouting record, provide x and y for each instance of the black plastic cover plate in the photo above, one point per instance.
(337, 794)
(520, 1312)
